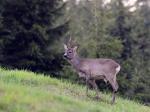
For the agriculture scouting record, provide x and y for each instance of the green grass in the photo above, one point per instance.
(22, 91)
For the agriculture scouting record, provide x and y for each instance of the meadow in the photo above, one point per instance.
(24, 91)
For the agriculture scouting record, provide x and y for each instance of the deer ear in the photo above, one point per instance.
(75, 48)
(65, 47)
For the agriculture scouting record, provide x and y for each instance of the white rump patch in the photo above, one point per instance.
(118, 69)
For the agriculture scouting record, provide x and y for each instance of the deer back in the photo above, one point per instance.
(97, 67)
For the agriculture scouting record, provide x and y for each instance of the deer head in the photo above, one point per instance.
(70, 50)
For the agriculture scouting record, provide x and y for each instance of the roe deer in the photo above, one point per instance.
(93, 69)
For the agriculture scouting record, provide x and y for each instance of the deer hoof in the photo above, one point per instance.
(112, 102)
(97, 98)
(88, 95)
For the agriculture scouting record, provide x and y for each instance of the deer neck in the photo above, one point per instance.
(76, 62)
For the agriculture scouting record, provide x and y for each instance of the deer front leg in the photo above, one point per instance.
(96, 88)
(87, 83)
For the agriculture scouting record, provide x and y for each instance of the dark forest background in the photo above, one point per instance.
(32, 33)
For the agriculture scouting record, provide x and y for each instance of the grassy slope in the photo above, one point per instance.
(22, 91)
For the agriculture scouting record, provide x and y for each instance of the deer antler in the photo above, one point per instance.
(70, 39)
(72, 43)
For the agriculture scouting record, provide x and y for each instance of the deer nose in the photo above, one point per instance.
(65, 55)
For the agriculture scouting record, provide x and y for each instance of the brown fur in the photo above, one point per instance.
(94, 69)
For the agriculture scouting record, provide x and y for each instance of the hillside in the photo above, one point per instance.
(22, 91)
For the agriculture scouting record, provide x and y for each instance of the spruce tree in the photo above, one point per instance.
(28, 32)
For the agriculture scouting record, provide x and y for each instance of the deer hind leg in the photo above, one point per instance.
(114, 85)
(115, 88)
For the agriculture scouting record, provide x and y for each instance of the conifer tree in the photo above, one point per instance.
(29, 29)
